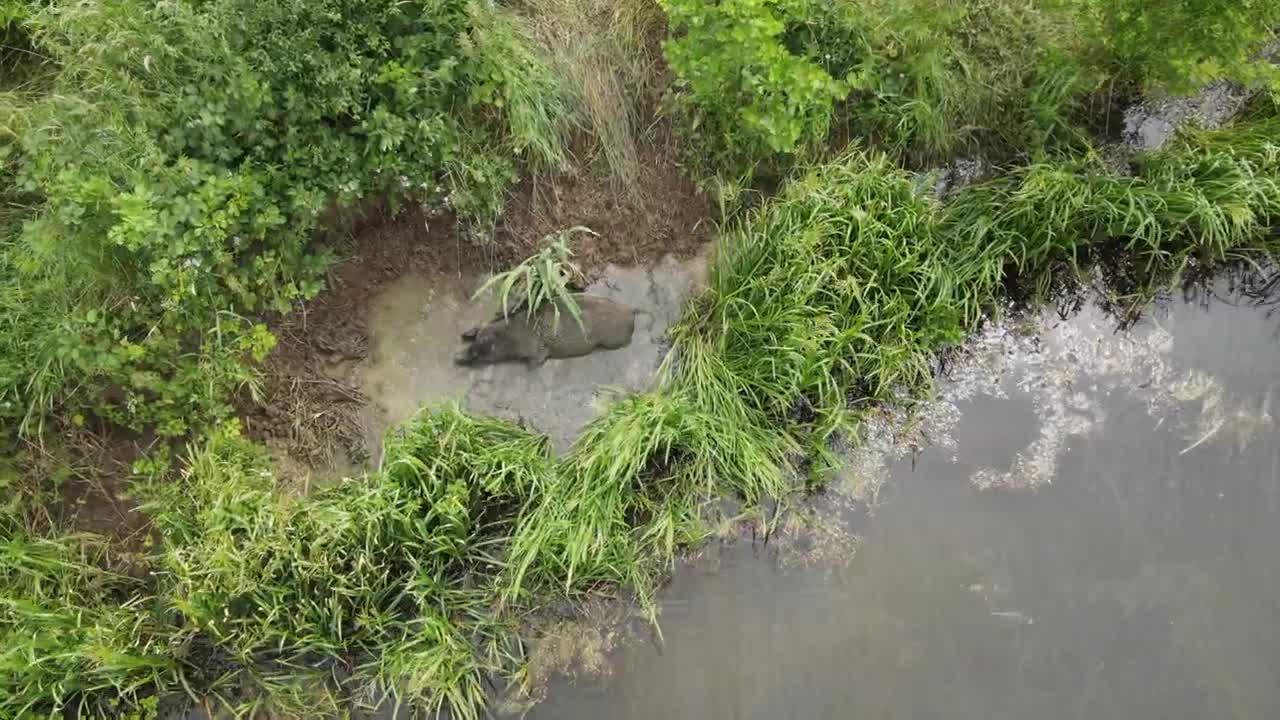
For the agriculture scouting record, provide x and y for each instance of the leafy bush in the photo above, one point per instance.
(927, 80)
(921, 78)
(747, 91)
(178, 164)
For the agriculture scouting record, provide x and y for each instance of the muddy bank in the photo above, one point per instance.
(414, 329)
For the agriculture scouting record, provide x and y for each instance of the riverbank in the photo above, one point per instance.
(837, 285)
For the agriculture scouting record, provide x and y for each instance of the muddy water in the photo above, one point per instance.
(1089, 532)
(415, 327)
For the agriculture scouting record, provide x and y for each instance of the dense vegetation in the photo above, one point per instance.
(164, 168)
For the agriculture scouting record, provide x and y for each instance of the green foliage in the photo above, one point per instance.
(547, 277)
(634, 488)
(176, 168)
(1209, 197)
(1178, 45)
(923, 79)
(932, 79)
(838, 290)
(764, 80)
(72, 634)
(746, 90)
(394, 570)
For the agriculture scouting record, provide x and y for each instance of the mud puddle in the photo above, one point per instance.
(414, 328)
(1088, 532)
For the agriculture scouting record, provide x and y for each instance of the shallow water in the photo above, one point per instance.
(1089, 532)
(1148, 125)
(415, 327)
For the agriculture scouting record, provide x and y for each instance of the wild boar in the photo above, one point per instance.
(606, 325)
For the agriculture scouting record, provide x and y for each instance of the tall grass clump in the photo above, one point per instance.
(634, 488)
(837, 291)
(75, 636)
(548, 277)
(386, 580)
(1207, 198)
(835, 294)
(931, 80)
(605, 52)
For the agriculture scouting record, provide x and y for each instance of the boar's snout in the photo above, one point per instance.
(467, 356)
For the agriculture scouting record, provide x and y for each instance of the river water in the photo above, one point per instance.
(1089, 530)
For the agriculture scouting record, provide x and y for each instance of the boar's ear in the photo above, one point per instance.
(470, 335)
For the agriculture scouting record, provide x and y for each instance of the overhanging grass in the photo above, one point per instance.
(632, 490)
(835, 293)
(1210, 197)
(388, 578)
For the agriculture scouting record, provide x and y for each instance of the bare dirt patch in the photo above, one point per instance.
(308, 413)
(662, 213)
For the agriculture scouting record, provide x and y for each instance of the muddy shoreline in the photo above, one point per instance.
(319, 418)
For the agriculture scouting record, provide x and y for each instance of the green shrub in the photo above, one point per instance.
(765, 80)
(923, 79)
(176, 167)
(746, 91)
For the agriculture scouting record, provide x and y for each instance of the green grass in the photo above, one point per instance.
(604, 52)
(1208, 198)
(126, 281)
(634, 488)
(74, 633)
(393, 573)
(547, 278)
(833, 294)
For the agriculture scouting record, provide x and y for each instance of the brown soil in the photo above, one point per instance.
(87, 471)
(310, 404)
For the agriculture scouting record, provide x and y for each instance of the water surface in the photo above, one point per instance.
(1091, 532)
